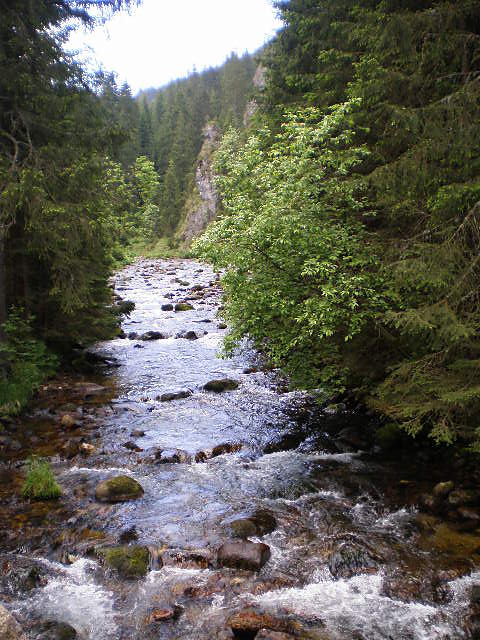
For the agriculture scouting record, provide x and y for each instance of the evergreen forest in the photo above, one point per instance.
(348, 222)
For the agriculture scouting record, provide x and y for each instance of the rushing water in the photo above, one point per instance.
(322, 498)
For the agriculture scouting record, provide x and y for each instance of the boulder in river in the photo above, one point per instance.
(243, 555)
(259, 523)
(175, 395)
(68, 421)
(183, 306)
(167, 307)
(137, 433)
(152, 335)
(351, 559)
(9, 627)
(249, 624)
(165, 613)
(442, 489)
(220, 385)
(118, 489)
(172, 456)
(53, 630)
(225, 447)
(187, 335)
(128, 561)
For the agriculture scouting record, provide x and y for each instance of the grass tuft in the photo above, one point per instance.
(40, 483)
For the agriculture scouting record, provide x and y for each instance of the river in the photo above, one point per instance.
(349, 555)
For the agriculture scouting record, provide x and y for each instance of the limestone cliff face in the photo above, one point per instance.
(202, 205)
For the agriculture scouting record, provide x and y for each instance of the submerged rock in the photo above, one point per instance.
(164, 614)
(9, 627)
(260, 523)
(128, 562)
(167, 307)
(53, 630)
(118, 489)
(243, 555)
(351, 559)
(224, 384)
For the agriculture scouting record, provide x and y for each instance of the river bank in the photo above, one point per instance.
(359, 544)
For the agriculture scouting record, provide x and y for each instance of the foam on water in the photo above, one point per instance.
(356, 605)
(73, 597)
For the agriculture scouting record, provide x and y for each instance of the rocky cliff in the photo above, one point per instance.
(201, 207)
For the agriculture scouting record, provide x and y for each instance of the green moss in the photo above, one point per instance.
(118, 489)
(183, 306)
(40, 483)
(130, 562)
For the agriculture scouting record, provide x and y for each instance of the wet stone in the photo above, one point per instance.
(137, 433)
(132, 446)
(183, 306)
(226, 447)
(172, 456)
(167, 307)
(9, 627)
(351, 559)
(175, 395)
(223, 384)
(118, 489)
(165, 614)
(260, 523)
(152, 335)
(132, 335)
(128, 562)
(442, 489)
(52, 630)
(243, 555)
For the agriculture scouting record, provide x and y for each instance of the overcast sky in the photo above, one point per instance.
(163, 40)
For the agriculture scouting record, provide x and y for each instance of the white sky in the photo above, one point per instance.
(163, 39)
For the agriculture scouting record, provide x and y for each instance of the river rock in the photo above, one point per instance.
(128, 562)
(226, 447)
(221, 325)
(188, 335)
(183, 306)
(137, 433)
(224, 384)
(68, 421)
(351, 559)
(86, 448)
(175, 395)
(461, 497)
(203, 456)
(53, 630)
(250, 623)
(164, 614)
(188, 558)
(260, 523)
(167, 307)
(118, 489)
(243, 555)
(442, 489)
(132, 446)
(9, 627)
(172, 456)
(132, 335)
(152, 335)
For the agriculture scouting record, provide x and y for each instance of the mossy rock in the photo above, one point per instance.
(129, 562)
(118, 489)
(225, 384)
(183, 306)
